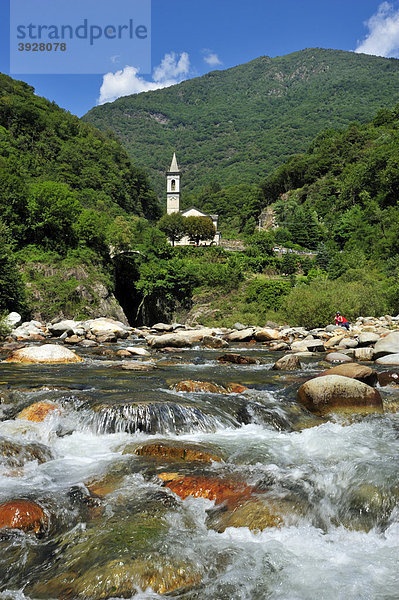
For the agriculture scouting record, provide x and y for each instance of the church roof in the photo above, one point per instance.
(174, 168)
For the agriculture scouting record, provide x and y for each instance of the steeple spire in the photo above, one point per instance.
(174, 168)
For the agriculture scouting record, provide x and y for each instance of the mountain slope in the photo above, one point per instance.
(235, 126)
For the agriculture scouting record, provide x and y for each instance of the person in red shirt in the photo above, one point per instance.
(341, 321)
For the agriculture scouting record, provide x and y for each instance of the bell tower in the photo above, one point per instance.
(173, 187)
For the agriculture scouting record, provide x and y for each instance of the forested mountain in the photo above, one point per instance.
(234, 126)
(344, 191)
(47, 152)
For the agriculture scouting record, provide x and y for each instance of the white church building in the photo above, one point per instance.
(173, 177)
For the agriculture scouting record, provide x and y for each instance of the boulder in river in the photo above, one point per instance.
(66, 326)
(388, 378)
(38, 411)
(237, 359)
(257, 514)
(121, 578)
(48, 353)
(335, 393)
(267, 334)
(289, 362)
(365, 353)
(174, 451)
(387, 345)
(360, 372)
(206, 386)
(229, 491)
(211, 341)
(368, 338)
(337, 357)
(388, 359)
(243, 335)
(23, 514)
(16, 454)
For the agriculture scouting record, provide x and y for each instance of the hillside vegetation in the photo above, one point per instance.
(235, 126)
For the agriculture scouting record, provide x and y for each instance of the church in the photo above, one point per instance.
(173, 177)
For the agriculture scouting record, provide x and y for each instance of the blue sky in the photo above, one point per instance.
(192, 37)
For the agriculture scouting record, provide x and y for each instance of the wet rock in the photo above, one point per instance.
(211, 341)
(49, 353)
(73, 339)
(267, 334)
(388, 378)
(237, 359)
(389, 359)
(256, 514)
(387, 345)
(205, 386)
(365, 353)
(240, 336)
(38, 411)
(23, 514)
(289, 362)
(174, 451)
(121, 578)
(137, 350)
(337, 357)
(138, 366)
(335, 393)
(228, 491)
(88, 344)
(123, 353)
(355, 371)
(16, 454)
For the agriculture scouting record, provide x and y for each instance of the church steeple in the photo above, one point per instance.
(173, 187)
(174, 166)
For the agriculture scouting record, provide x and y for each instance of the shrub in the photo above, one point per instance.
(269, 293)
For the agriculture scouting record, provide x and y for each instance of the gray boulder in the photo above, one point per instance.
(387, 345)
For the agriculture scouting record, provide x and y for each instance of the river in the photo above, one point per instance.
(334, 484)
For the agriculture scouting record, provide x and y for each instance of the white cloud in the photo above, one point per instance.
(211, 58)
(383, 36)
(172, 70)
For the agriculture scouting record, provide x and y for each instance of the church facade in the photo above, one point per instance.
(173, 185)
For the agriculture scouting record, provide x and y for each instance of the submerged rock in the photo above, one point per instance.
(16, 454)
(38, 411)
(48, 353)
(23, 514)
(205, 386)
(335, 393)
(174, 451)
(237, 359)
(388, 378)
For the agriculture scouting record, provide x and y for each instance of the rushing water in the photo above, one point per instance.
(338, 481)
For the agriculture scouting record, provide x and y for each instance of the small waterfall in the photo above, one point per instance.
(156, 417)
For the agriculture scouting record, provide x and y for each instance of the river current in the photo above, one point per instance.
(337, 480)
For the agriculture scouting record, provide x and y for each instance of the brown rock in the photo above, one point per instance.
(255, 514)
(289, 362)
(230, 492)
(360, 372)
(138, 366)
(335, 393)
(237, 359)
(123, 353)
(73, 339)
(211, 341)
(48, 353)
(23, 514)
(38, 411)
(174, 451)
(388, 378)
(205, 386)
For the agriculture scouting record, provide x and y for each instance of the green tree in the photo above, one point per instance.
(53, 210)
(12, 292)
(200, 229)
(173, 226)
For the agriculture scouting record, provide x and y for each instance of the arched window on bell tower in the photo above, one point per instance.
(173, 185)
